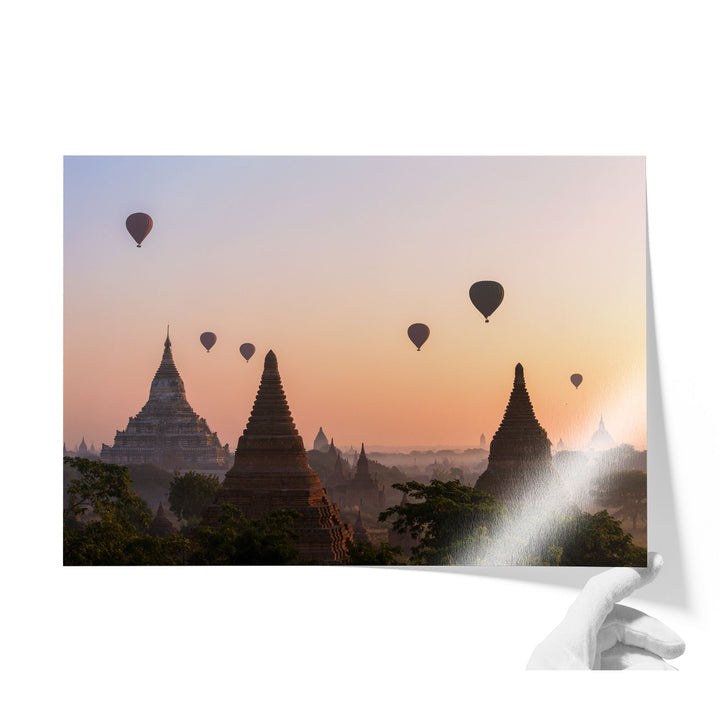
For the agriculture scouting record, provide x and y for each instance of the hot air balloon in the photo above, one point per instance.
(418, 333)
(139, 226)
(208, 339)
(576, 379)
(247, 350)
(486, 296)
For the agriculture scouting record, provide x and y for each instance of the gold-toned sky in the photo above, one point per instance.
(328, 260)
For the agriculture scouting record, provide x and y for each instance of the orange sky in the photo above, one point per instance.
(328, 260)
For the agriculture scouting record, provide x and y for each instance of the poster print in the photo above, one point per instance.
(355, 360)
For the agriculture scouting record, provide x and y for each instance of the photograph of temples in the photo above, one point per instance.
(354, 360)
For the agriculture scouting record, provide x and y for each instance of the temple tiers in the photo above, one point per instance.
(519, 463)
(167, 432)
(271, 472)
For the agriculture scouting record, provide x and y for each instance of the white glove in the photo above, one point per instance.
(597, 634)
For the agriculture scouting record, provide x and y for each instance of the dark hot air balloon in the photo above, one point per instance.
(247, 350)
(139, 226)
(576, 379)
(208, 339)
(486, 296)
(418, 333)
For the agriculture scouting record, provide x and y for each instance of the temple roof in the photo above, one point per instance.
(359, 529)
(270, 416)
(161, 525)
(167, 390)
(519, 420)
(601, 438)
(520, 449)
(321, 442)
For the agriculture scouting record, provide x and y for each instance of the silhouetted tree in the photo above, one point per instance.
(596, 540)
(241, 541)
(191, 493)
(365, 553)
(625, 492)
(102, 516)
(451, 521)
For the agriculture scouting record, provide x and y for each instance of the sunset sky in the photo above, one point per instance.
(327, 261)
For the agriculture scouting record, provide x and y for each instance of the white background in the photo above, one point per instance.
(349, 78)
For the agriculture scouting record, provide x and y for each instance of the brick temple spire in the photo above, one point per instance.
(271, 471)
(519, 459)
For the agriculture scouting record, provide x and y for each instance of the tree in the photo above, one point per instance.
(191, 493)
(596, 540)
(626, 492)
(365, 553)
(452, 521)
(102, 516)
(241, 541)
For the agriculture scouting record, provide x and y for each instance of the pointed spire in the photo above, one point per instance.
(320, 442)
(520, 448)
(270, 415)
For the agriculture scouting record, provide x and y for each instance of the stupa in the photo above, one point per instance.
(601, 439)
(360, 531)
(167, 432)
(364, 490)
(519, 463)
(271, 472)
(161, 526)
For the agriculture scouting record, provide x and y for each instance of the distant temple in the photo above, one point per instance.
(161, 526)
(271, 472)
(82, 451)
(361, 490)
(359, 529)
(601, 439)
(483, 441)
(321, 442)
(167, 432)
(519, 462)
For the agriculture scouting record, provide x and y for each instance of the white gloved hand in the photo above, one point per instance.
(598, 634)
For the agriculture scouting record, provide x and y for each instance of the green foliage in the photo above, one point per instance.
(191, 493)
(103, 515)
(626, 492)
(451, 521)
(104, 492)
(456, 524)
(364, 553)
(241, 541)
(597, 540)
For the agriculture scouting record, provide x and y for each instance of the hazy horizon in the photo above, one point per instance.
(327, 261)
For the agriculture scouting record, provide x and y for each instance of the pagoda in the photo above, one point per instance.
(321, 443)
(271, 472)
(360, 531)
(601, 439)
(161, 526)
(167, 432)
(519, 463)
(363, 489)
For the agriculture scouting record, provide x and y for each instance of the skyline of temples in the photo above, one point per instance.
(271, 472)
(167, 432)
